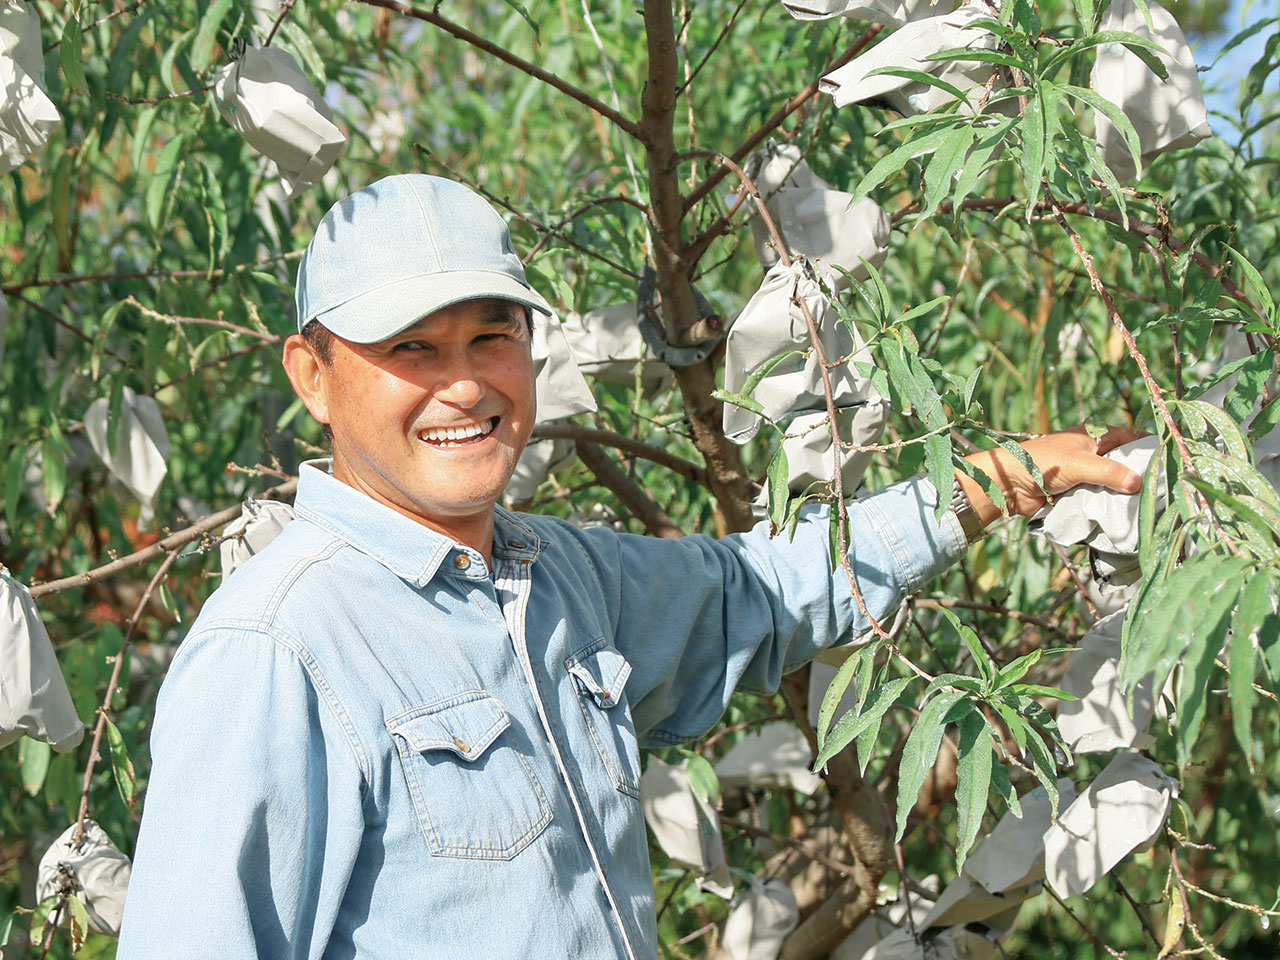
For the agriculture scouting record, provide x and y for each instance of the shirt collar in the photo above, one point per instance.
(410, 550)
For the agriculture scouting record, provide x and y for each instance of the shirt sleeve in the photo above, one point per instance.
(254, 809)
(699, 617)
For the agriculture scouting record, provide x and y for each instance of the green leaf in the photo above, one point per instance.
(702, 776)
(1255, 604)
(122, 766)
(1002, 785)
(896, 160)
(778, 489)
(762, 371)
(1250, 383)
(1045, 768)
(1015, 671)
(70, 52)
(1164, 621)
(1017, 726)
(162, 180)
(974, 645)
(207, 34)
(851, 726)
(524, 14)
(848, 673)
(939, 174)
(33, 758)
(937, 462)
(1123, 125)
(1222, 422)
(973, 781)
(1077, 47)
(1034, 149)
(53, 471)
(738, 400)
(1039, 690)
(920, 752)
(1206, 637)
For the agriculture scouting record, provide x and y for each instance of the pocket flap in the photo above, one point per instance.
(466, 725)
(601, 671)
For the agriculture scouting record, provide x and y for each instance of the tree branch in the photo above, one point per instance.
(506, 56)
(111, 689)
(13, 289)
(572, 431)
(167, 545)
(635, 499)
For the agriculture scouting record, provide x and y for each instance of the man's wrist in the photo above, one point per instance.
(971, 522)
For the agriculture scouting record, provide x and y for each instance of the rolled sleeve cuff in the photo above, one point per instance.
(921, 547)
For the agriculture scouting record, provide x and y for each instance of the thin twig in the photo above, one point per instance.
(555, 228)
(285, 7)
(724, 32)
(111, 689)
(460, 32)
(264, 336)
(160, 99)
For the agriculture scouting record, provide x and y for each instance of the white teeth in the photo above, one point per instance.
(443, 435)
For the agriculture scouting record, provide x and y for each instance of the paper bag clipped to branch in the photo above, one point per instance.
(1122, 811)
(1166, 114)
(760, 921)
(98, 869)
(34, 699)
(1100, 720)
(816, 220)
(776, 755)
(892, 13)
(907, 48)
(685, 825)
(27, 115)
(266, 97)
(608, 344)
(772, 323)
(139, 459)
(259, 523)
(1011, 856)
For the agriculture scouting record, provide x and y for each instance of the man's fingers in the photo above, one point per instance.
(1112, 475)
(1116, 436)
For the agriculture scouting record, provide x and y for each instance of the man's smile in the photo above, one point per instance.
(458, 436)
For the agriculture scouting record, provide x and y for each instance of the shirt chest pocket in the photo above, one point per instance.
(600, 675)
(475, 793)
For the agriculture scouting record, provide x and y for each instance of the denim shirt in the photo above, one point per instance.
(369, 748)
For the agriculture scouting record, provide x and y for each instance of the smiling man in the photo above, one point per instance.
(410, 727)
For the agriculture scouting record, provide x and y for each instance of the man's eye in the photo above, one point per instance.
(410, 345)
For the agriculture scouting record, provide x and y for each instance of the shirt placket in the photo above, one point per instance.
(512, 582)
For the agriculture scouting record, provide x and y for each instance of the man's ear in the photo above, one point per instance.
(308, 374)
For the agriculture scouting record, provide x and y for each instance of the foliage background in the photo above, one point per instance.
(147, 212)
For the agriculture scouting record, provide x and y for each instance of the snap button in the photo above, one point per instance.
(462, 561)
(515, 543)
(460, 744)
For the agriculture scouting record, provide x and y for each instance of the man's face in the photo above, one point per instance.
(432, 420)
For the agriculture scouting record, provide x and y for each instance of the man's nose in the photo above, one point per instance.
(460, 383)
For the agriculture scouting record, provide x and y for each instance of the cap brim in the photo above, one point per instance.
(381, 313)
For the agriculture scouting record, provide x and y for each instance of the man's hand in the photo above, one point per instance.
(1066, 459)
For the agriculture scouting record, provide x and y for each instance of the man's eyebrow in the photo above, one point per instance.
(499, 316)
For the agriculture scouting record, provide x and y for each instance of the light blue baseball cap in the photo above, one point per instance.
(402, 248)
